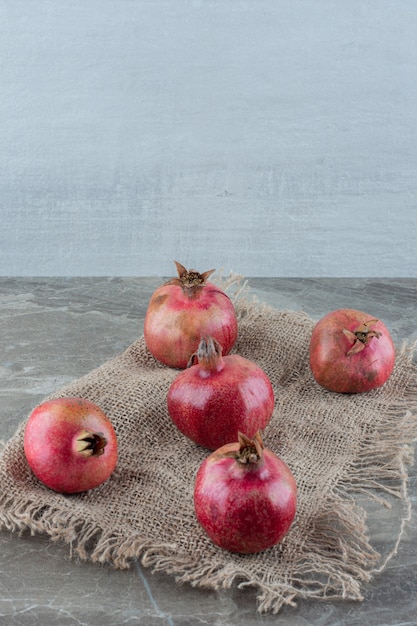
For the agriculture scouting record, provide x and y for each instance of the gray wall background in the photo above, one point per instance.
(267, 137)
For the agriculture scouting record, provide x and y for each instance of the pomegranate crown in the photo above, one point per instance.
(250, 450)
(189, 280)
(361, 336)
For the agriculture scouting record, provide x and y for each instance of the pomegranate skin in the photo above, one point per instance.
(52, 438)
(244, 508)
(210, 407)
(179, 315)
(336, 370)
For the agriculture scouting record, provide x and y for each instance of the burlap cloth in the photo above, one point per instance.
(345, 452)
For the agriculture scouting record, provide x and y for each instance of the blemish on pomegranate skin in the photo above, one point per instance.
(158, 300)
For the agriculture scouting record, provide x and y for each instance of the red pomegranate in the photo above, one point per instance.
(245, 496)
(182, 311)
(351, 352)
(218, 396)
(70, 444)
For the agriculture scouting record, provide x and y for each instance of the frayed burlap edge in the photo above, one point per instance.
(344, 557)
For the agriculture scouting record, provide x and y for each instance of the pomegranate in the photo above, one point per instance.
(351, 352)
(70, 444)
(182, 311)
(245, 496)
(218, 396)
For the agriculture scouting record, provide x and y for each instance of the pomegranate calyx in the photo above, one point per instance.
(250, 450)
(361, 336)
(90, 444)
(189, 280)
(208, 356)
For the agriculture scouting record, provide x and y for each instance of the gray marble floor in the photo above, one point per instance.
(54, 330)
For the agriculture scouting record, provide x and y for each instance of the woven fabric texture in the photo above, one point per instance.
(349, 455)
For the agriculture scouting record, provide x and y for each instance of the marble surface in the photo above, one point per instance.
(56, 329)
